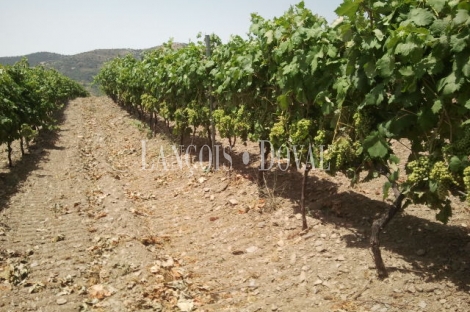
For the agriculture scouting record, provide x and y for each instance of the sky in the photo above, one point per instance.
(70, 27)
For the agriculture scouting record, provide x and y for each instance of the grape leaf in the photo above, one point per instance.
(421, 17)
(438, 5)
(283, 103)
(437, 107)
(455, 164)
(269, 36)
(369, 69)
(458, 44)
(466, 70)
(376, 147)
(385, 66)
(448, 85)
(461, 17)
(386, 188)
(379, 34)
(405, 48)
(348, 8)
(406, 71)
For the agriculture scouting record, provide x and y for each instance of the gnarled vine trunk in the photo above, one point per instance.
(9, 150)
(377, 226)
(308, 167)
(261, 182)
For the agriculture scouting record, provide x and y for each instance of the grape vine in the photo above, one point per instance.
(29, 96)
(383, 72)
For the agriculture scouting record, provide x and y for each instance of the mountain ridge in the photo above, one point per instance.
(81, 67)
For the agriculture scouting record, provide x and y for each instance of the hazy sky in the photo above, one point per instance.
(70, 27)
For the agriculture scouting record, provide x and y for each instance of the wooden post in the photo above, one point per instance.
(211, 108)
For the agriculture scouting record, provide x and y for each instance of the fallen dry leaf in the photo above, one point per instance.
(99, 292)
(139, 212)
(176, 273)
(101, 215)
(154, 240)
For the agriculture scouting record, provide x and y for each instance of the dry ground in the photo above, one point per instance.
(83, 226)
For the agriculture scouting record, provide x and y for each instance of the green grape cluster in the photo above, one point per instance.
(180, 115)
(301, 131)
(223, 122)
(192, 116)
(148, 101)
(461, 144)
(341, 153)
(320, 138)
(418, 170)
(218, 114)
(441, 175)
(164, 111)
(362, 123)
(466, 181)
(278, 132)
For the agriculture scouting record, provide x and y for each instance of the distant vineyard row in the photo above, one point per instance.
(385, 70)
(29, 97)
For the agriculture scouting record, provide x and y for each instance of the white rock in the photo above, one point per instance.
(251, 249)
(422, 305)
(310, 235)
(185, 305)
(168, 263)
(61, 301)
(233, 201)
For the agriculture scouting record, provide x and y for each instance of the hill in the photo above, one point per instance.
(33, 58)
(80, 67)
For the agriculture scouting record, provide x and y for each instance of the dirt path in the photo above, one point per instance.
(84, 227)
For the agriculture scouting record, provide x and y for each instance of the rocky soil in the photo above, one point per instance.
(91, 220)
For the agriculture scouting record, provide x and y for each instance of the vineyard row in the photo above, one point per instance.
(384, 71)
(29, 98)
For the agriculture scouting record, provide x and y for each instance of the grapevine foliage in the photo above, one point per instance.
(385, 71)
(28, 98)
(407, 67)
